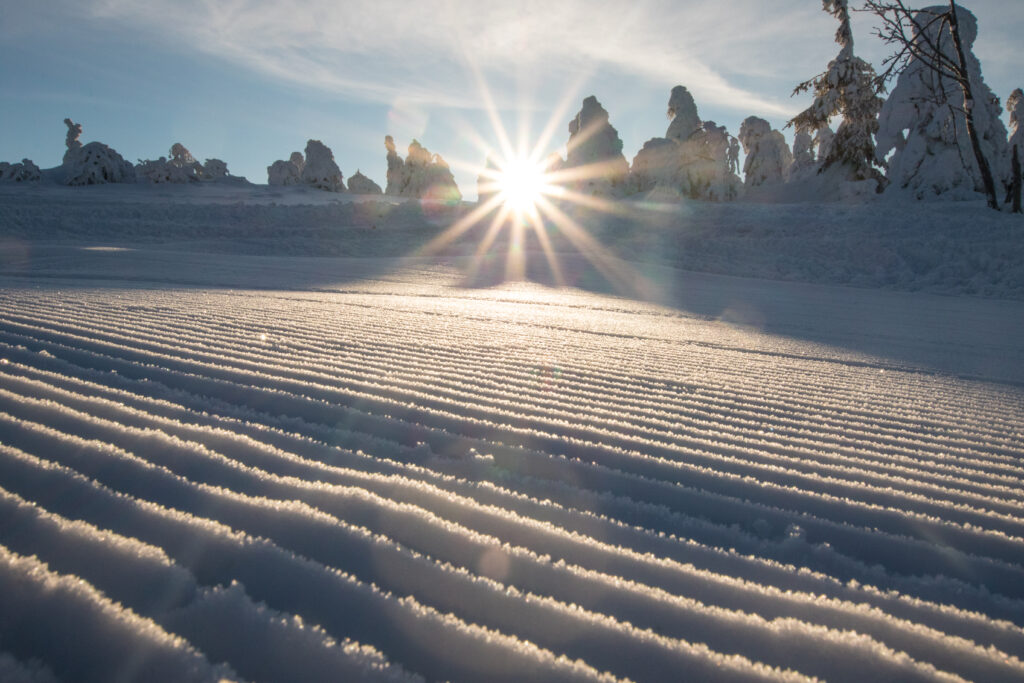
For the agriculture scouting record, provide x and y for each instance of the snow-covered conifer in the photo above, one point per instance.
(695, 159)
(286, 172)
(922, 123)
(71, 141)
(25, 172)
(320, 170)
(360, 184)
(682, 111)
(846, 89)
(421, 175)
(804, 161)
(94, 163)
(215, 169)
(595, 150)
(1015, 105)
(768, 155)
(180, 168)
(395, 166)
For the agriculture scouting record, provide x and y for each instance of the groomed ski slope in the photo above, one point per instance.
(364, 470)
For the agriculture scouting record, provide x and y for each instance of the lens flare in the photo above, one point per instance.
(522, 184)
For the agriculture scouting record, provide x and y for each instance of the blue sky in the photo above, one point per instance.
(249, 81)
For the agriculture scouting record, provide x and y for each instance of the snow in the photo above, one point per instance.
(594, 152)
(253, 433)
(93, 163)
(768, 156)
(695, 159)
(320, 170)
(421, 175)
(360, 184)
(931, 154)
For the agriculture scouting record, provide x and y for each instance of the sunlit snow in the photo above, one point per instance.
(219, 459)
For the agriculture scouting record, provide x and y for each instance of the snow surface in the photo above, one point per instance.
(218, 461)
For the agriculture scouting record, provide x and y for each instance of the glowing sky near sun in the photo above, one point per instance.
(250, 81)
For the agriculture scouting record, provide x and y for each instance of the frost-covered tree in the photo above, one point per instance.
(594, 151)
(421, 174)
(360, 184)
(823, 141)
(320, 170)
(180, 168)
(1015, 105)
(215, 169)
(941, 119)
(695, 159)
(847, 89)
(768, 155)
(395, 167)
(804, 160)
(93, 163)
(287, 172)
(25, 172)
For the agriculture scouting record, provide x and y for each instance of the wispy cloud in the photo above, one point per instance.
(417, 51)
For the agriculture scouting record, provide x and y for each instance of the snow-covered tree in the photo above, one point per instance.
(595, 152)
(682, 111)
(320, 170)
(804, 161)
(287, 172)
(94, 163)
(421, 174)
(71, 140)
(360, 184)
(941, 123)
(25, 172)
(823, 142)
(695, 159)
(180, 168)
(215, 169)
(768, 155)
(847, 89)
(1015, 105)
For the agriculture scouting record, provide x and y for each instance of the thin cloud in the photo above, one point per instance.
(387, 49)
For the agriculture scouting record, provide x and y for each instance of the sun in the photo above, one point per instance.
(521, 184)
